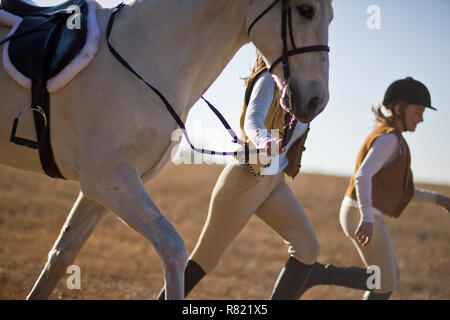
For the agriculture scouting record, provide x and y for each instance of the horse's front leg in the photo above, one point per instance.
(119, 187)
(82, 220)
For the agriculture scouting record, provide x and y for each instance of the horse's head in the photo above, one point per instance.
(304, 81)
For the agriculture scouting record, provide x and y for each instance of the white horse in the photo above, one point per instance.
(112, 134)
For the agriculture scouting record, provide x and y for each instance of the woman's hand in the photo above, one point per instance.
(444, 202)
(364, 233)
(275, 146)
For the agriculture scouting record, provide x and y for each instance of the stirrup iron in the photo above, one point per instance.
(26, 142)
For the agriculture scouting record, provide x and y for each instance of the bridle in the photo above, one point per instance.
(286, 19)
(286, 22)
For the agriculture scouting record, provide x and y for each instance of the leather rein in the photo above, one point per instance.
(286, 20)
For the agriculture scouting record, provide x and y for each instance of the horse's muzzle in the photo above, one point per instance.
(305, 107)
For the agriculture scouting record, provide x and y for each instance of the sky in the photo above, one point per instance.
(412, 40)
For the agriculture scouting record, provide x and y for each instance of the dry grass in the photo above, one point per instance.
(117, 263)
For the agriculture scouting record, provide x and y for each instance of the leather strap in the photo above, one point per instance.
(261, 15)
(46, 151)
(41, 97)
(169, 106)
(286, 22)
(299, 51)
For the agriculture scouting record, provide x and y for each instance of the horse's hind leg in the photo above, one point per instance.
(82, 220)
(121, 189)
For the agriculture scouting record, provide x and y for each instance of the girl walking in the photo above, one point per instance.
(258, 187)
(381, 187)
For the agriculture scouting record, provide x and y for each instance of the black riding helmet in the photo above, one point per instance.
(408, 90)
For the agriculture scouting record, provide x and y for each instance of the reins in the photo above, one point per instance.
(290, 120)
(169, 107)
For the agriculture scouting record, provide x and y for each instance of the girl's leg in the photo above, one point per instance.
(236, 196)
(283, 212)
(379, 252)
(348, 276)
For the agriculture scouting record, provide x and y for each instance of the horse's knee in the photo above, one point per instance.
(173, 252)
(118, 190)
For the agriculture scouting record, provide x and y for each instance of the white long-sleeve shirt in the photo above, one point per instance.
(383, 152)
(259, 104)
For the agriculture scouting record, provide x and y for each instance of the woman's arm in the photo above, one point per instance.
(444, 202)
(259, 104)
(257, 109)
(421, 195)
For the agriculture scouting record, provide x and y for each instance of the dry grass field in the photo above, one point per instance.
(117, 263)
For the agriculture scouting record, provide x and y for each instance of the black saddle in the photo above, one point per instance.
(44, 43)
(46, 50)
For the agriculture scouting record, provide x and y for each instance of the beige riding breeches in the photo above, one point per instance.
(380, 250)
(237, 195)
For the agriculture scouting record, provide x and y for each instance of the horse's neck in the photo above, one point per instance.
(182, 46)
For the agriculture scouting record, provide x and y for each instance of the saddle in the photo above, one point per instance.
(43, 44)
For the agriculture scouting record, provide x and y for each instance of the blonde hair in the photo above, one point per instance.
(257, 67)
(390, 118)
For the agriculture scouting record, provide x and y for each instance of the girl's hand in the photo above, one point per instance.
(364, 233)
(444, 202)
(275, 146)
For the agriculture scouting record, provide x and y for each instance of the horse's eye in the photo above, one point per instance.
(306, 11)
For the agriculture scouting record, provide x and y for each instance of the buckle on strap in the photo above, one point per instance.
(27, 142)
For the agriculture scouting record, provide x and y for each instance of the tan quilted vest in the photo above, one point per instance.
(392, 187)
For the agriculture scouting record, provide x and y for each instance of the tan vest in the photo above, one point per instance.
(392, 187)
(274, 120)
